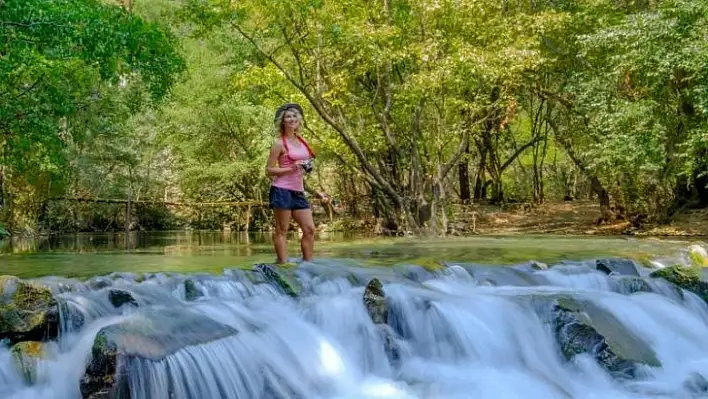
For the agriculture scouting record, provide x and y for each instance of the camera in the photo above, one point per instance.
(307, 165)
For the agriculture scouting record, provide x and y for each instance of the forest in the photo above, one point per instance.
(412, 106)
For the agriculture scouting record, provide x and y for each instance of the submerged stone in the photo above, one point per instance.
(151, 335)
(28, 311)
(375, 301)
(277, 276)
(631, 284)
(625, 267)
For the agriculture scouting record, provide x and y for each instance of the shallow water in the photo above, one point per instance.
(463, 331)
(90, 254)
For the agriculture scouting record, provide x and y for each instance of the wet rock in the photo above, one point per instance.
(151, 335)
(279, 278)
(375, 301)
(119, 298)
(98, 283)
(630, 284)
(583, 327)
(538, 265)
(191, 292)
(625, 267)
(28, 311)
(26, 356)
(391, 346)
(696, 384)
(686, 277)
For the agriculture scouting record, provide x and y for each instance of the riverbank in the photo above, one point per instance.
(576, 218)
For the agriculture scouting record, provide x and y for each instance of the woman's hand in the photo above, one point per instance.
(324, 198)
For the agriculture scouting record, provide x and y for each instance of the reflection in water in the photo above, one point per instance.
(89, 254)
(172, 241)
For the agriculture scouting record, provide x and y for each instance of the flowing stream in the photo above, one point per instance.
(465, 331)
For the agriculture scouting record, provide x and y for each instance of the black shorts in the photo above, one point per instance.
(282, 198)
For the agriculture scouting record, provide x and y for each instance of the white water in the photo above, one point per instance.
(459, 338)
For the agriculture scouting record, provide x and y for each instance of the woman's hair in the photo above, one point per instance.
(280, 115)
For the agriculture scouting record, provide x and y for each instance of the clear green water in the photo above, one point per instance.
(85, 255)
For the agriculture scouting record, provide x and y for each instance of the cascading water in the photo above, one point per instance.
(465, 331)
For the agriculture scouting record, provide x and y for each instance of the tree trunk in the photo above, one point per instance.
(464, 175)
(595, 184)
(480, 186)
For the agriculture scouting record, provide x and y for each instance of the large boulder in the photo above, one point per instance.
(686, 277)
(151, 335)
(580, 326)
(28, 311)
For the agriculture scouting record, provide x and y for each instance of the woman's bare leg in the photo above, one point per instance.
(280, 235)
(303, 217)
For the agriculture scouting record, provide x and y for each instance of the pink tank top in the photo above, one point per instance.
(293, 180)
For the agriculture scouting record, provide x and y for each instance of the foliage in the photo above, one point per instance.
(71, 71)
(410, 104)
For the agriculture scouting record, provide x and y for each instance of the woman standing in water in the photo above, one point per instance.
(290, 158)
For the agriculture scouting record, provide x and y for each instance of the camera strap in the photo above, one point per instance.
(285, 144)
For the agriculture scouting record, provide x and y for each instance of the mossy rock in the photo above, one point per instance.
(281, 278)
(28, 311)
(27, 356)
(375, 301)
(698, 256)
(686, 277)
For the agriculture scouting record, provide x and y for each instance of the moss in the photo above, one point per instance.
(686, 277)
(26, 356)
(27, 313)
(697, 259)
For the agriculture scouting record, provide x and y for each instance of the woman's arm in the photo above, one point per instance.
(271, 166)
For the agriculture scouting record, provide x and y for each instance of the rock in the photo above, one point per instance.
(696, 384)
(698, 256)
(391, 345)
(375, 301)
(538, 265)
(630, 284)
(26, 356)
(582, 327)
(119, 298)
(151, 335)
(99, 282)
(625, 267)
(277, 278)
(28, 311)
(191, 292)
(686, 277)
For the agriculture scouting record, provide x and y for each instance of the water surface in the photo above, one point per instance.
(90, 254)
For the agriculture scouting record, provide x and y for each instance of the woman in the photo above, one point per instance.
(290, 157)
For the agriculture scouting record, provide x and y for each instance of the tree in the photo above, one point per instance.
(70, 72)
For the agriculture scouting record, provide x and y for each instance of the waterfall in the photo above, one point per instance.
(464, 331)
